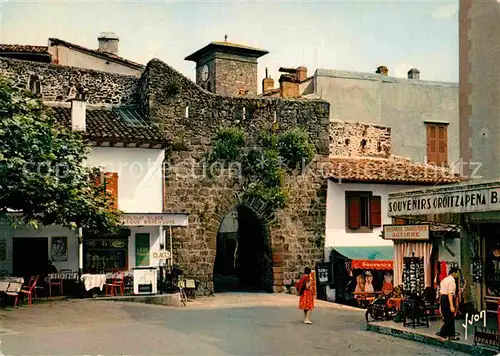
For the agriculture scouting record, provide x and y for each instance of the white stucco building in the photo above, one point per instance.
(104, 58)
(361, 174)
(131, 153)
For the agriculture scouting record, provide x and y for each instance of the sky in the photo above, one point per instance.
(343, 35)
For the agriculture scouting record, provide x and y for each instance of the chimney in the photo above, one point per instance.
(108, 42)
(289, 87)
(301, 73)
(414, 73)
(267, 83)
(382, 70)
(78, 115)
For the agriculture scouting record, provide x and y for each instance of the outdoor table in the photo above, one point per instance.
(92, 281)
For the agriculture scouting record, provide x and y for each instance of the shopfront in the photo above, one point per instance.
(360, 273)
(476, 207)
(423, 255)
(141, 236)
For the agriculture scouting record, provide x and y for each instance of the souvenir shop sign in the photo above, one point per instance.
(154, 219)
(385, 265)
(406, 232)
(461, 199)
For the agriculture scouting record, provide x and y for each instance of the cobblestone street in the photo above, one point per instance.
(230, 324)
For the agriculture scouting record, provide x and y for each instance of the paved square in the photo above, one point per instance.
(232, 324)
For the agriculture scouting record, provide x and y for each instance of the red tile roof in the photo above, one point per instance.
(113, 57)
(15, 48)
(365, 169)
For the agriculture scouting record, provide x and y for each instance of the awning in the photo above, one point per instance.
(368, 257)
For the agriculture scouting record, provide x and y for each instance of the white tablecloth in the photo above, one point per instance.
(94, 281)
(15, 284)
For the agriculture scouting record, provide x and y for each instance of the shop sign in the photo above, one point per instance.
(323, 273)
(158, 255)
(489, 337)
(385, 265)
(406, 232)
(449, 202)
(154, 219)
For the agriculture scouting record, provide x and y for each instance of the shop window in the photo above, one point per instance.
(437, 144)
(105, 254)
(364, 210)
(110, 181)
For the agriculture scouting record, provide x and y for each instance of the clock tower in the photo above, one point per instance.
(226, 68)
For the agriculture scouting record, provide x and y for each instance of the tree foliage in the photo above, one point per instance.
(228, 144)
(43, 176)
(265, 165)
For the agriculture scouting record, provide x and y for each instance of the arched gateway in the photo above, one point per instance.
(289, 238)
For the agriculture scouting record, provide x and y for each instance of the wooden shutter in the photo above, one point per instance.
(375, 211)
(432, 144)
(353, 211)
(442, 143)
(111, 181)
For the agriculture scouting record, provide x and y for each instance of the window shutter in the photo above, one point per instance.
(353, 212)
(111, 181)
(432, 144)
(442, 145)
(376, 211)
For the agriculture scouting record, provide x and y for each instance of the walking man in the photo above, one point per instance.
(448, 288)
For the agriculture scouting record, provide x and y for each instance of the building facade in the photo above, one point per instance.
(361, 173)
(131, 155)
(423, 115)
(104, 58)
(290, 238)
(474, 204)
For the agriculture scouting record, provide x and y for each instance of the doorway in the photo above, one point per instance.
(243, 260)
(30, 256)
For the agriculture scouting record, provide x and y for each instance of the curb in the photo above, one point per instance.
(169, 300)
(429, 340)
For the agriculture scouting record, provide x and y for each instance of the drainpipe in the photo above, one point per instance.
(80, 251)
(171, 250)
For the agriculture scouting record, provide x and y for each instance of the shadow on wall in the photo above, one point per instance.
(244, 261)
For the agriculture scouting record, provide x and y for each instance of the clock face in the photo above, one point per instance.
(204, 73)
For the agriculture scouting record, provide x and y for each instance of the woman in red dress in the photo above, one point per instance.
(307, 291)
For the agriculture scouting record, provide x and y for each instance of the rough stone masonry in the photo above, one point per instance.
(191, 116)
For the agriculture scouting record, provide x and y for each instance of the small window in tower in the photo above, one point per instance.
(34, 85)
(208, 87)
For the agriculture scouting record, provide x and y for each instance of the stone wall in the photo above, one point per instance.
(235, 78)
(57, 82)
(296, 232)
(353, 139)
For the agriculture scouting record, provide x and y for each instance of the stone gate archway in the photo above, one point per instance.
(243, 260)
(258, 263)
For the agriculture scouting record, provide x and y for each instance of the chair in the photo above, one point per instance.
(30, 288)
(117, 282)
(13, 290)
(55, 280)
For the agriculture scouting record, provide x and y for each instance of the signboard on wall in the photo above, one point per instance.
(151, 219)
(459, 199)
(407, 232)
(158, 255)
(142, 249)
